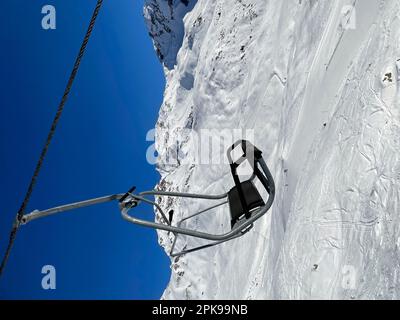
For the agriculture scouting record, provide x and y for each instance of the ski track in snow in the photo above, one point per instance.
(324, 103)
(327, 72)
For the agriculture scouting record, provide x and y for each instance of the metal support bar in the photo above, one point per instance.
(174, 254)
(182, 252)
(209, 245)
(40, 214)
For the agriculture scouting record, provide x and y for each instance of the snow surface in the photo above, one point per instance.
(322, 98)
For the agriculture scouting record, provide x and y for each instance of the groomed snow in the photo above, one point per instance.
(318, 84)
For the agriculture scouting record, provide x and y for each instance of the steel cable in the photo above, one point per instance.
(50, 136)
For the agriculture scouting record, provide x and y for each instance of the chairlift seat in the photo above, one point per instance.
(252, 199)
(245, 203)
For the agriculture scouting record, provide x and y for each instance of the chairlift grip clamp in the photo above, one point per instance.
(126, 195)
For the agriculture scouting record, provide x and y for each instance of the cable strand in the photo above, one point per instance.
(50, 136)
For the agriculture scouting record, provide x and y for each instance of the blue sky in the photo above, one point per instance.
(99, 149)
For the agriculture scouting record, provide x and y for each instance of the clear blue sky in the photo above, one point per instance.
(99, 149)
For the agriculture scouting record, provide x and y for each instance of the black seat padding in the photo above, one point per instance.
(252, 198)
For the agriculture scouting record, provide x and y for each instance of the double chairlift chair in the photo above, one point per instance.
(246, 205)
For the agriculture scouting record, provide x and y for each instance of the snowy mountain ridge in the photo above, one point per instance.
(317, 82)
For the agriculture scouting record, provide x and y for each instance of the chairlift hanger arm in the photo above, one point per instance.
(68, 207)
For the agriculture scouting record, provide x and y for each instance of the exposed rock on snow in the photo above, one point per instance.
(319, 87)
(164, 21)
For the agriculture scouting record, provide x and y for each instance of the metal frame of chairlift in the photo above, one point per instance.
(242, 222)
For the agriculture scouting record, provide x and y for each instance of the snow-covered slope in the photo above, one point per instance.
(317, 81)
